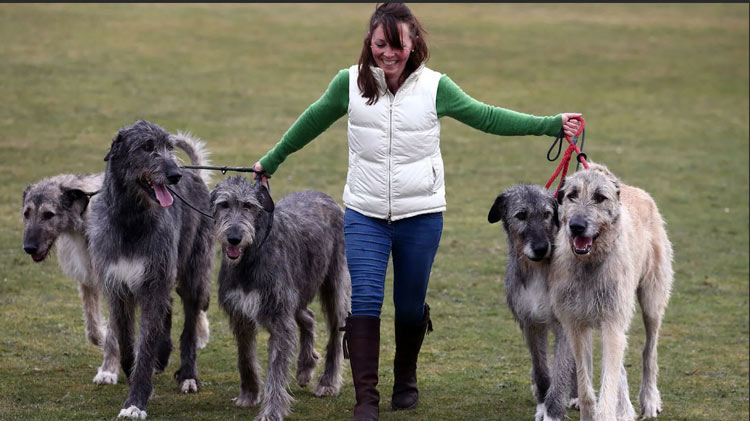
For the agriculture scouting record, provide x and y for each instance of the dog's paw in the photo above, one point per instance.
(326, 390)
(651, 410)
(650, 403)
(133, 413)
(189, 386)
(573, 404)
(269, 417)
(304, 377)
(105, 377)
(247, 400)
(540, 410)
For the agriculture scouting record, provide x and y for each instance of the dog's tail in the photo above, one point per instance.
(202, 331)
(195, 150)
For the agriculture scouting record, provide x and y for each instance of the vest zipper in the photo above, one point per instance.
(390, 148)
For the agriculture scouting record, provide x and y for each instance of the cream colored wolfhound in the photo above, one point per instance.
(611, 247)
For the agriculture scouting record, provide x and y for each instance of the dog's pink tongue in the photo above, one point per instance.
(233, 251)
(582, 243)
(162, 195)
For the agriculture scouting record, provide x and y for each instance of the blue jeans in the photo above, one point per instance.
(369, 243)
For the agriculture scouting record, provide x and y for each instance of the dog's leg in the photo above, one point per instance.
(281, 344)
(150, 334)
(250, 383)
(122, 323)
(581, 342)
(187, 374)
(625, 411)
(107, 373)
(334, 295)
(563, 368)
(613, 349)
(92, 318)
(165, 344)
(308, 357)
(536, 340)
(652, 306)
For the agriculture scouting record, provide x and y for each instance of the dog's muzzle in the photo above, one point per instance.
(582, 244)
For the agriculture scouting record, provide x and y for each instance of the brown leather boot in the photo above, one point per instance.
(408, 343)
(362, 348)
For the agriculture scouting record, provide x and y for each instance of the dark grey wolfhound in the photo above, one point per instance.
(276, 258)
(529, 215)
(142, 242)
(55, 215)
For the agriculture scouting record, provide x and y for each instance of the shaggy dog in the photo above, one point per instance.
(529, 215)
(142, 242)
(276, 259)
(612, 247)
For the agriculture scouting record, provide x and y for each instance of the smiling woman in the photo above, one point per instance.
(395, 190)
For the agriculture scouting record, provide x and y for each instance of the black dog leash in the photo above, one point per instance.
(171, 190)
(224, 169)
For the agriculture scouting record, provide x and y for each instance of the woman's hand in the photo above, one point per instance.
(571, 123)
(259, 170)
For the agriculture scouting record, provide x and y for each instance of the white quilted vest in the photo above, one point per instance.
(395, 166)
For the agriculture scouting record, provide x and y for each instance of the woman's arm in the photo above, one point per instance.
(451, 101)
(312, 122)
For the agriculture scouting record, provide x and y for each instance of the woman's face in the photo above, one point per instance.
(391, 59)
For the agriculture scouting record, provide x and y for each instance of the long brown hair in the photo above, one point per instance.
(390, 15)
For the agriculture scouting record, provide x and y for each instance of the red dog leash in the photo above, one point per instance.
(572, 146)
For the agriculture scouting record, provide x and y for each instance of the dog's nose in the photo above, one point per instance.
(30, 249)
(577, 226)
(540, 249)
(234, 240)
(174, 177)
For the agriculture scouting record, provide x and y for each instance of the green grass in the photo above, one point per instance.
(663, 87)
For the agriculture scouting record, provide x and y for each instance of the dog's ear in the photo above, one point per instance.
(497, 210)
(113, 148)
(561, 192)
(25, 192)
(74, 199)
(264, 197)
(555, 216)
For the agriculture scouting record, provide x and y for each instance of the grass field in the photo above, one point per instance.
(663, 88)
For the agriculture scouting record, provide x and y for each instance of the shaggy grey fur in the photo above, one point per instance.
(141, 244)
(55, 213)
(529, 215)
(269, 278)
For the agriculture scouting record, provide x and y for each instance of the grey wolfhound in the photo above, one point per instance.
(55, 215)
(612, 247)
(276, 258)
(529, 215)
(141, 244)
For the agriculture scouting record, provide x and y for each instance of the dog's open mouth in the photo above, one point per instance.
(39, 257)
(582, 245)
(233, 252)
(161, 194)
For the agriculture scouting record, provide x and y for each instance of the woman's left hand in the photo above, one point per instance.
(571, 123)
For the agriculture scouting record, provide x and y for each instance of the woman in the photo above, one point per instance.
(394, 193)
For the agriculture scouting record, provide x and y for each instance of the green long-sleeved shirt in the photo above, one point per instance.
(450, 101)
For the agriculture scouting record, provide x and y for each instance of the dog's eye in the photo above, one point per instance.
(48, 215)
(598, 198)
(547, 215)
(148, 146)
(521, 216)
(247, 206)
(26, 213)
(222, 205)
(572, 196)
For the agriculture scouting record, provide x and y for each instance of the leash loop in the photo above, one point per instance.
(562, 169)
